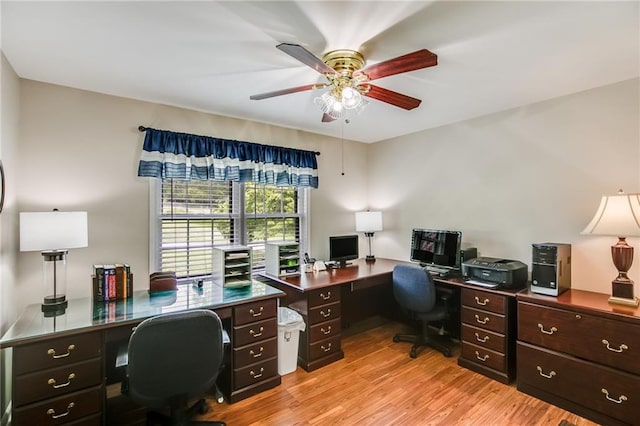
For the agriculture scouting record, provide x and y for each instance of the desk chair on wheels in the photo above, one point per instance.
(415, 292)
(172, 359)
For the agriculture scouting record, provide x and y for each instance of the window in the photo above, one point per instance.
(194, 216)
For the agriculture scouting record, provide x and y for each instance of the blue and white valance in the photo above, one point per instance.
(171, 155)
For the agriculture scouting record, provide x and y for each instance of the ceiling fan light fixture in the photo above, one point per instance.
(351, 98)
(330, 105)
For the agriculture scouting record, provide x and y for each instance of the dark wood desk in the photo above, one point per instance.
(62, 365)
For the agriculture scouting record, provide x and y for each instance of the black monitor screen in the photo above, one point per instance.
(436, 247)
(343, 248)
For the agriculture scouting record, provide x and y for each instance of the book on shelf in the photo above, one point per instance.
(112, 282)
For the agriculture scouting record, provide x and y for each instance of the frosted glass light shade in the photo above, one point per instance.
(40, 231)
(368, 221)
(617, 215)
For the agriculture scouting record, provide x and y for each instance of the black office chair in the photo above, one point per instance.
(415, 292)
(172, 359)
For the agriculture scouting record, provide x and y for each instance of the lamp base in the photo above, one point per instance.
(634, 302)
(370, 258)
(54, 305)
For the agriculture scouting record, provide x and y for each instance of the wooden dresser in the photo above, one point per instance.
(580, 353)
(488, 332)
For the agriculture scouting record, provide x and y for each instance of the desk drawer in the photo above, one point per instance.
(486, 357)
(324, 313)
(324, 347)
(257, 311)
(56, 352)
(484, 338)
(254, 332)
(55, 382)
(483, 300)
(255, 373)
(483, 319)
(255, 353)
(599, 388)
(64, 409)
(324, 296)
(324, 330)
(598, 339)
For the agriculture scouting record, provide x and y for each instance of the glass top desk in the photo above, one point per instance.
(68, 360)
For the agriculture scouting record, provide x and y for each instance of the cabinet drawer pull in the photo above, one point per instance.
(546, 376)
(327, 297)
(258, 354)
(52, 352)
(541, 327)
(485, 302)
(482, 358)
(327, 331)
(483, 339)
(51, 412)
(483, 321)
(617, 401)
(327, 315)
(327, 349)
(52, 382)
(257, 375)
(258, 334)
(621, 348)
(256, 314)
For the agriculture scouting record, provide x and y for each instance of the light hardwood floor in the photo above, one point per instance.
(377, 383)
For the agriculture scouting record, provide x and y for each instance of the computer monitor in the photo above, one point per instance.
(343, 248)
(438, 248)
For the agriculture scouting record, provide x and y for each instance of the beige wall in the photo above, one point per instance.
(79, 151)
(528, 175)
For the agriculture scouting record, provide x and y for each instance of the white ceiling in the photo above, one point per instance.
(212, 55)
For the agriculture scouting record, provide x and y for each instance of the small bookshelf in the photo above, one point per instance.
(232, 266)
(282, 258)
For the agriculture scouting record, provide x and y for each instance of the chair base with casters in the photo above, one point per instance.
(422, 340)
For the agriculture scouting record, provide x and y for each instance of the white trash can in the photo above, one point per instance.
(290, 324)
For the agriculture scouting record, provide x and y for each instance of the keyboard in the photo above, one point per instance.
(436, 271)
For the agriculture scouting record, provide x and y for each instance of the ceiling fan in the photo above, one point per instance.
(348, 81)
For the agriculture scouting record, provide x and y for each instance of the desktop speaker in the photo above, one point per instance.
(468, 254)
(550, 268)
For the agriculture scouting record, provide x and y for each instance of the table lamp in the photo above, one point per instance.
(369, 222)
(619, 215)
(53, 233)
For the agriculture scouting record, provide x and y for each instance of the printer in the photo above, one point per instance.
(495, 272)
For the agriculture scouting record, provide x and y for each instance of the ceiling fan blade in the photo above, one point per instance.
(303, 55)
(409, 62)
(391, 97)
(286, 91)
(326, 118)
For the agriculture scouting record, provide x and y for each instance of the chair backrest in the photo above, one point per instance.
(174, 355)
(413, 288)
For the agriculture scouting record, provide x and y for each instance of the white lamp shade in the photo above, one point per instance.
(618, 215)
(368, 221)
(41, 231)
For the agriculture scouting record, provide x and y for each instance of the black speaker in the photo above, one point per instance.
(550, 268)
(468, 254)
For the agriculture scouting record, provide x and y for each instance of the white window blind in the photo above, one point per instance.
(195, 216)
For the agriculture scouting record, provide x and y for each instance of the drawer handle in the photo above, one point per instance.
(258, 334)
(483, 303)
(256, 314)
(52, 352)
(546, 376)
(482, 340)
(257, 375)
(617, 401)
(327, 315)
(256, 355)
(327, 349)
(327, 297)
(484, 321)
(327, 331)
(541, 327)
(53, 414)
(482, 358)
(61, 385)
(622, 347)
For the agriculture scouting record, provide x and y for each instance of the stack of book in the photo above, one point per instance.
(112, 282)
